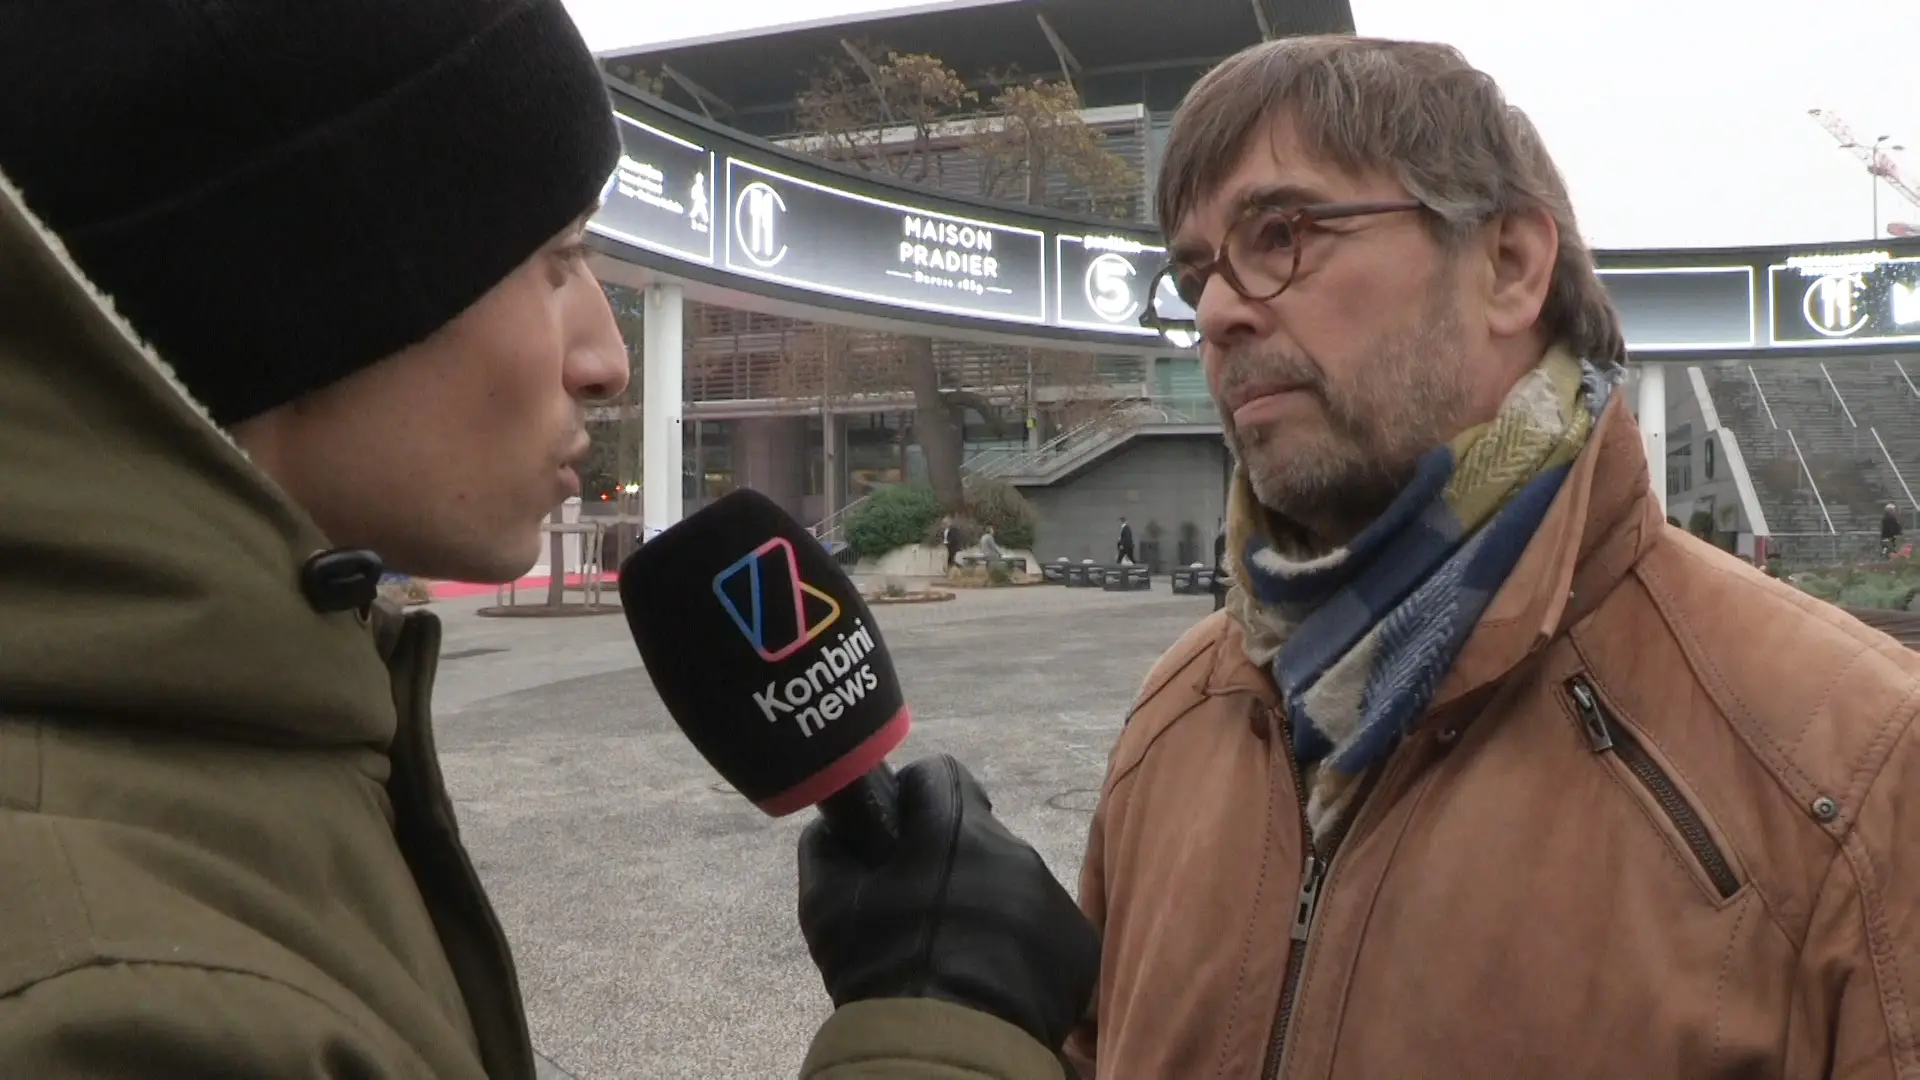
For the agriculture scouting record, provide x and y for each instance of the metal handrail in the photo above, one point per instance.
(829, 529)
(1811, 482)
(1102, 425)
(1046, 447)
(832, 528)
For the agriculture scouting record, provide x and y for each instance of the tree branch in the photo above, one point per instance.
(956, 400)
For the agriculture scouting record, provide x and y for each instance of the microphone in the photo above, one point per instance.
(769, 660)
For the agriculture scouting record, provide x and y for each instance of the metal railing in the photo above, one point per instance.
(1825, 549)
(1083, 442)
(983, 464)
(832, 529)
(1023, 462)
(1074, 444)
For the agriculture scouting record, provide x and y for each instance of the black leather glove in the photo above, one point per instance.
(962, 910)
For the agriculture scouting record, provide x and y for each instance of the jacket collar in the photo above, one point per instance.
(1599, 525)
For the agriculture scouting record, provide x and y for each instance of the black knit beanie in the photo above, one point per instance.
(278, 193)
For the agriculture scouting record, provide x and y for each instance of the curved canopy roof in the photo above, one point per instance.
(750, 81)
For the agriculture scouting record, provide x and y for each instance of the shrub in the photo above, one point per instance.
(967, 577)
(1854, 587)
(982, 577)
(1875, 590)
(998, 505)
(1819, 585)
(895, 517)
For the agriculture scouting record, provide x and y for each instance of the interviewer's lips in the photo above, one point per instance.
(568, 473)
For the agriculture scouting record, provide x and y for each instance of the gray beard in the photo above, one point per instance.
(1410, 397)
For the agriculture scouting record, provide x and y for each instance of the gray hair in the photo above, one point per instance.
(1415, 110)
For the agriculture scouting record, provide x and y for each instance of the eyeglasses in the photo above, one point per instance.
(1258, 259)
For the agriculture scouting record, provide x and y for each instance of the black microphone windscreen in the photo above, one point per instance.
(764, 652)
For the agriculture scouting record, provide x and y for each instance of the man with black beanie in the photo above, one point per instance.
(291, 294)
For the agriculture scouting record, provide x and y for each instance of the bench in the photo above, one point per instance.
(1127, 579)
(1193, 580)
(1014, 564)
(1086, 576)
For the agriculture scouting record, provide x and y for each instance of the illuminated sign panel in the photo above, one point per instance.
(661, 195)
(1684, 307)
(731, 211)
(1863, 297)
(1100, 282)
(804, 234)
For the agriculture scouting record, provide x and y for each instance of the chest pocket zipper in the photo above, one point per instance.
(1607, 735)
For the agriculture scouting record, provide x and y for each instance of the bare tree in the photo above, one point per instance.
(651, 82)
(1077, 373)
(904, 115)
(886, 115)
(1034, 133)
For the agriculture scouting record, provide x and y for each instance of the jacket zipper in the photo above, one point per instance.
(1605, 734)
(498, 1019)
(1312, 875)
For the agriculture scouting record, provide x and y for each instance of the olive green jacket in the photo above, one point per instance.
(225, 847)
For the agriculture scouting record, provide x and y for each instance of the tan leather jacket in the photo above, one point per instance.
(1662, 821)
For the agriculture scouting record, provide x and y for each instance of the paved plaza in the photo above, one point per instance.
(651, 909)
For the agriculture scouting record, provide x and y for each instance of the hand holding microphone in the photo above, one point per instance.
(962, 911)
(769, 660)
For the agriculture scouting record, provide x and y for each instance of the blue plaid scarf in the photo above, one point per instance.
(1368, 631)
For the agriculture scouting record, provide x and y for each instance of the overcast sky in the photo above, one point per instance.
(1679, 123)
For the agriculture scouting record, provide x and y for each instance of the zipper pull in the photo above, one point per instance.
(1591, 718)
(1309, 898)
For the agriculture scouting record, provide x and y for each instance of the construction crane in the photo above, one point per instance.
(1879, 164)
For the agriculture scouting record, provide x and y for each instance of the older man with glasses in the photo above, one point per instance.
(1484, 771)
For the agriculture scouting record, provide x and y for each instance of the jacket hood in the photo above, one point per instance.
(150, 575)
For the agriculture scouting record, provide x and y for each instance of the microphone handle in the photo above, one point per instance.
(865, 815)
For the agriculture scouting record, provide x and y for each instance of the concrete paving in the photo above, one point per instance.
(651, 910)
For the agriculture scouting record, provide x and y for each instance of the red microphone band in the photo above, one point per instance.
(855, 764)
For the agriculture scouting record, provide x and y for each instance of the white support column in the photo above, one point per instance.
(829, 462)
(1652, 416)
(660, 393)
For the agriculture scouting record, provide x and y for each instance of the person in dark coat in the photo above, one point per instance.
(1220, 567)
(950, 536)
(1124, 549)
(1890, 531)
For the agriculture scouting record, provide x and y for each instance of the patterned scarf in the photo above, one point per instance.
(1365, 633)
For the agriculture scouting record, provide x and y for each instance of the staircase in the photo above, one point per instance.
(1060, 456)
(1828, 445)
(1774, 463)
(1885, 403)
(1041, 465)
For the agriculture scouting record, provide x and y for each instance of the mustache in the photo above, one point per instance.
(1244, 368)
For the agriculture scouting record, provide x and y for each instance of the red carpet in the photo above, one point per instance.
(449, 590)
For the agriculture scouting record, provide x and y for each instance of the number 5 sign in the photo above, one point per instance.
(1100, 281)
